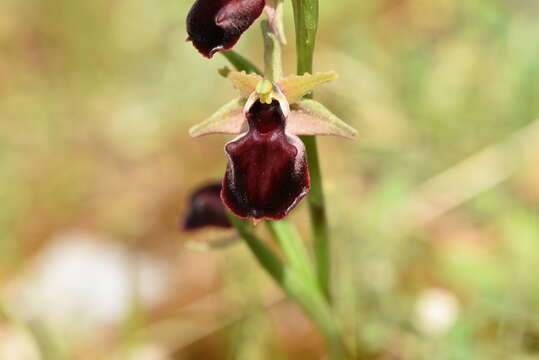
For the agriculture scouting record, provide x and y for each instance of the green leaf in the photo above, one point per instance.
(309, 117)
(229, 119)
(243, 82)
(239, 62)
(293, 248)
(304, 292)
(297, 86)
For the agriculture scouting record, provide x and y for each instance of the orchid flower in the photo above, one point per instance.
(267, 172)
(215, 25)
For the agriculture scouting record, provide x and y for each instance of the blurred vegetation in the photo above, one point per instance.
(434, 209)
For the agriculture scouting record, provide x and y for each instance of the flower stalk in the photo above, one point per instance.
(306, 23)
(272, 53)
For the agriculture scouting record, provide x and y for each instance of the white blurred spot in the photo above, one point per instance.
(436, 311)
(80, 281)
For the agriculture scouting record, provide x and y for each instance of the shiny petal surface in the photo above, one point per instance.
(215, 25)
(206, 209)
(267, 171)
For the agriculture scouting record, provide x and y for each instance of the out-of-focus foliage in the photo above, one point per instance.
(433, 208)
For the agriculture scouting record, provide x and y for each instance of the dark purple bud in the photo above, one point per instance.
(215, 25)
(267, 171)
(206, 209)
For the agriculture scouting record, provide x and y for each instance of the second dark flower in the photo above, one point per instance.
(215, 25)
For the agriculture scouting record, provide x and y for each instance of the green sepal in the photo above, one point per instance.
(296, 86)
(229, 119)
(309, 117)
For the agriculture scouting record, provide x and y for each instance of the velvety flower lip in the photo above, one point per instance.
(267, 172)
(206, 209)
(215, 25)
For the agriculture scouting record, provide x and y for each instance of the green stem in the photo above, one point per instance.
(306, 21)
(304, 293)
(240, 63)
(319, 223)
(272, 54)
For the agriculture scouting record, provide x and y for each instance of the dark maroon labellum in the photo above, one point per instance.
(215, 25)
(267, 171)
(206, 209)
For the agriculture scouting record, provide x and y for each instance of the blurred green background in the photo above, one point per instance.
(433, 209)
